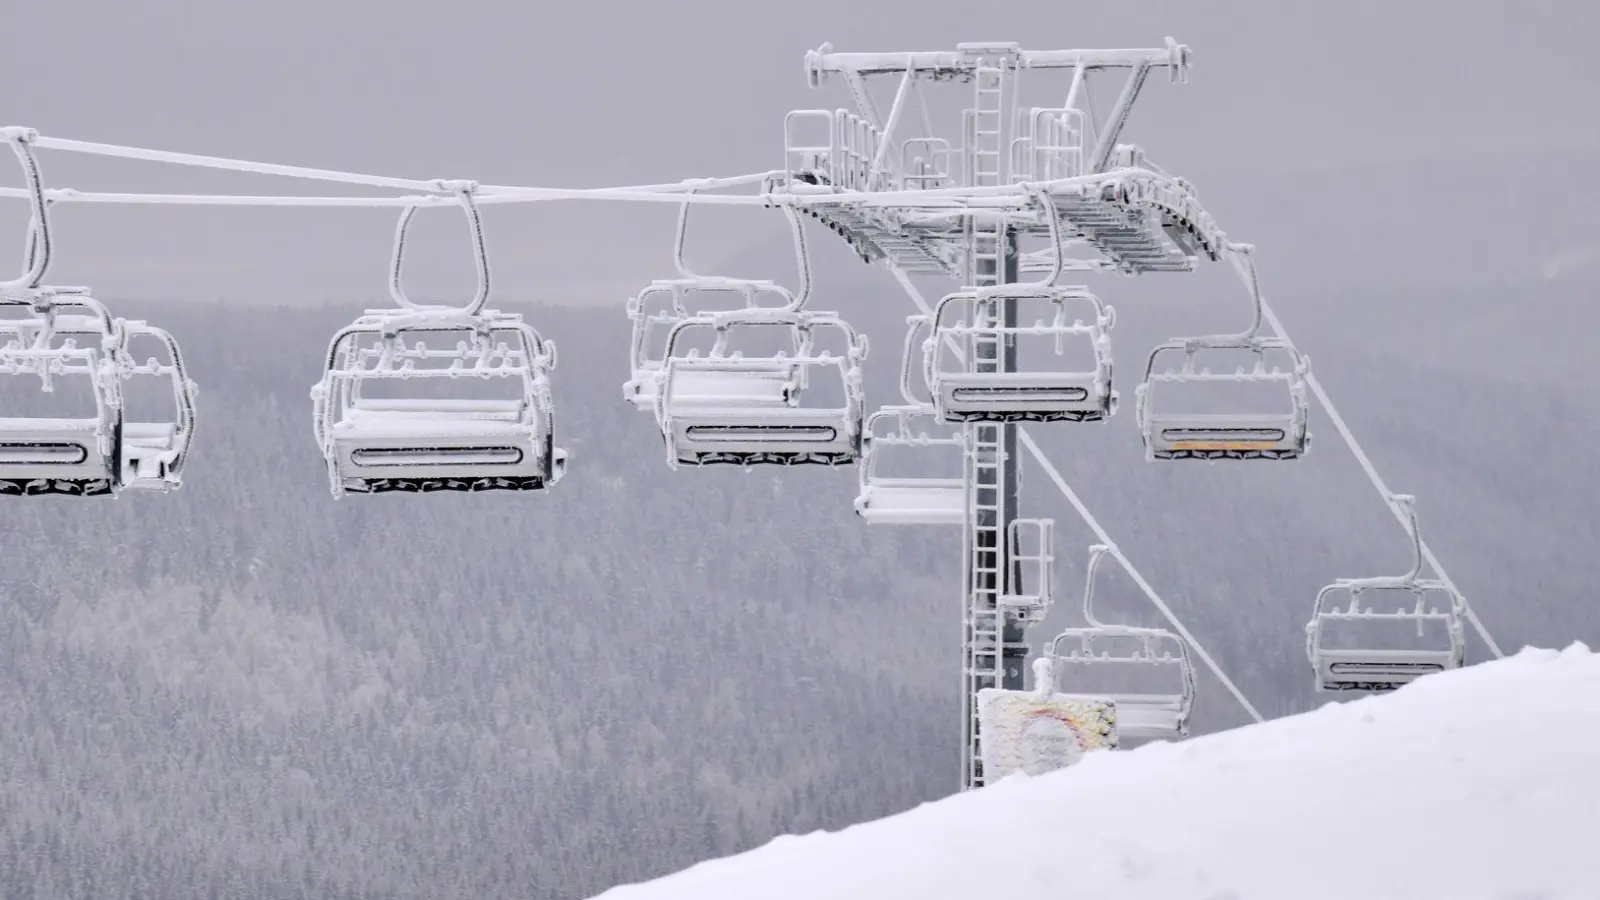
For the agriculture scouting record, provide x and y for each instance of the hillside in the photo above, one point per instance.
(1470, 785)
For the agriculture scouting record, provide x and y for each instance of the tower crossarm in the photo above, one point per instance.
(967, 58)
(897, 188)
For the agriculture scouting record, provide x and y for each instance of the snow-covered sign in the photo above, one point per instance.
(1024, 731)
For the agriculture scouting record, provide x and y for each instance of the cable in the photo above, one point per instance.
(236, 165)
(523, 195)
(382, 181)
(999, 197)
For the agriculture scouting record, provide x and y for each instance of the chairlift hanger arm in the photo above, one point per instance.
(37, 256)
(464, 195)
(1096, 554)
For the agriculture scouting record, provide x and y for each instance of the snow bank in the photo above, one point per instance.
(1479, 784)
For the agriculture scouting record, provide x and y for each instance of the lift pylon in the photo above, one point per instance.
(1056, 173)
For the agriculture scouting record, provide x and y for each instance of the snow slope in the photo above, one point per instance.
(1480, 784)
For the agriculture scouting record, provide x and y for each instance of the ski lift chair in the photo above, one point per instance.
(417, 443)
(65, 338)
(1280, 434)
(1082, 659)
(499, 437)
(735, 422)
(664, 304)
(60, 446)
(899, 432)
(151, 454)
(966, 393)
(1391, 603)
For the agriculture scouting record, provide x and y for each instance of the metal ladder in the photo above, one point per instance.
(988, 642)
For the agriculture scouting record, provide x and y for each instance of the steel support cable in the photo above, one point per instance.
(501, 193)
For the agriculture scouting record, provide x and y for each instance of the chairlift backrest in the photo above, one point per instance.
(662, 305)
(804, 326)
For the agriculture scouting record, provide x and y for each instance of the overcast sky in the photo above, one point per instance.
(596, 93)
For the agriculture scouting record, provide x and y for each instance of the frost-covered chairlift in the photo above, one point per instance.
(152, 454)
(74, 449)
(500, 436)
(735, 425)
(665, 302)
(1418, 603)
(972, 320)
(895, 489)
(64, 336)
(894, 433)
(1280, 434)
(1083, 658)
(962, 395)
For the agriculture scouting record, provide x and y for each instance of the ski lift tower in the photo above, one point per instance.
(1054, 174)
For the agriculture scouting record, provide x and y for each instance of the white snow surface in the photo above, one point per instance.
(1477, 784)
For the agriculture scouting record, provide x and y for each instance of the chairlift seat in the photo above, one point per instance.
(1150, 716)
(759, 385)
(54, 456)
(150, 451)
(69, 325)
(936, 497)
(913, 501)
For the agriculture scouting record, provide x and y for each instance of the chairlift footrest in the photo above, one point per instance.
(1007, 416)
(1214, 455)
(432, 485)
(756, 458)
(72, 487)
